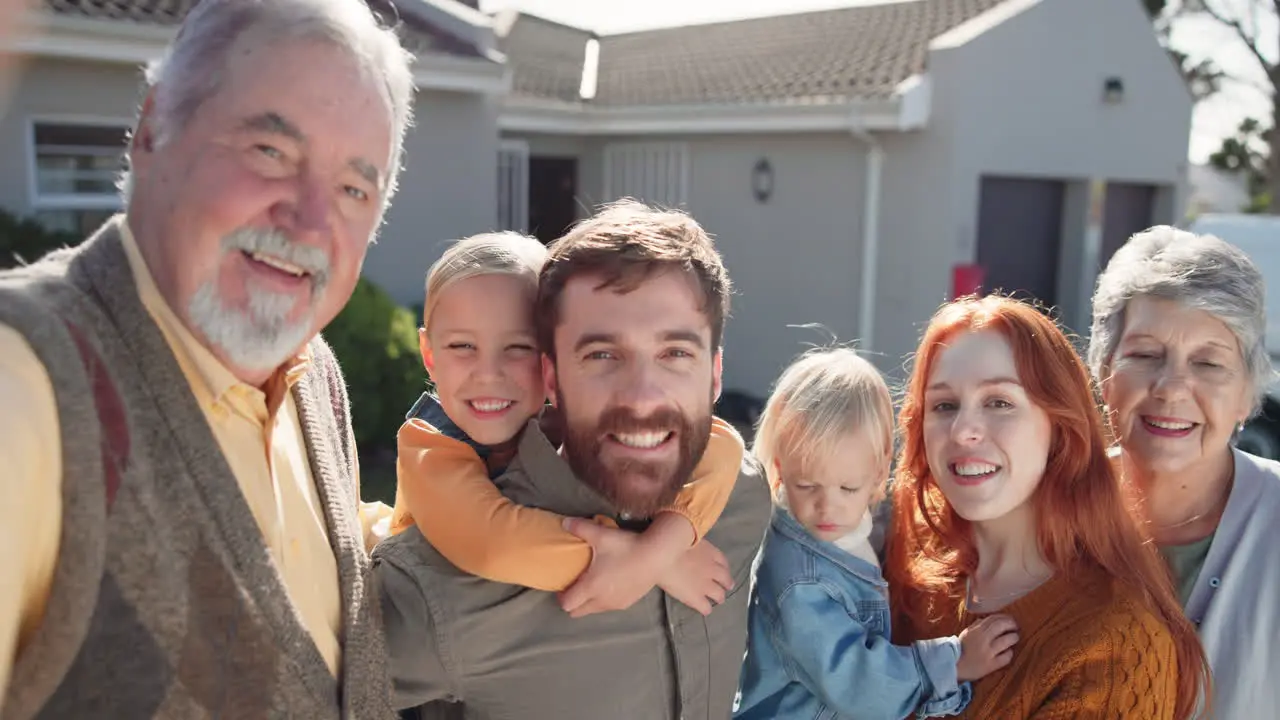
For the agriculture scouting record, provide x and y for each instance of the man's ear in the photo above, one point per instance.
(549, 378)
(424, 347)
(143, 140)
(717, 366)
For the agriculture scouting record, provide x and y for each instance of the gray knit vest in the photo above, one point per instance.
(166, 602)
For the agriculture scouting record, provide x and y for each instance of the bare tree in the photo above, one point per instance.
(1203, 77)
(1243, 18)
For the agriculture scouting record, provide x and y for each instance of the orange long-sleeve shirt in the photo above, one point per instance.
(1088, 649)
(444, 487)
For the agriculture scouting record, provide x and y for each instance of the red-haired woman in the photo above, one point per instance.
(1005, 501)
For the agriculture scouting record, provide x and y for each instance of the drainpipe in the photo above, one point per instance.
(870, 236)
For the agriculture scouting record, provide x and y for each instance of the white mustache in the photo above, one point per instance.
(274, 242)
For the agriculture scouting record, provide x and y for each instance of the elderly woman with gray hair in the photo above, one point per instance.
(1178, 349)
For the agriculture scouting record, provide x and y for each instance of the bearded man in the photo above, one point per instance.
(631, 311)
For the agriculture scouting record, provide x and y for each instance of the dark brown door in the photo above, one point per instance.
(1020, 236)
(553, 191)
(1127, 210)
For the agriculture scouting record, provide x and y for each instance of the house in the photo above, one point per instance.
(858, 166)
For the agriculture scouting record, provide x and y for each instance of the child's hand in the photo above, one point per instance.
(619, 575)
(699, 579)
(986, 646)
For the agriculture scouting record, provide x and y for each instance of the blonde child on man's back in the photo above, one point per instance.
(478, 344)
(818, 643)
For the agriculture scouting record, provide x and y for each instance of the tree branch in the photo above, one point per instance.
(1249, 40)
(1223, 78)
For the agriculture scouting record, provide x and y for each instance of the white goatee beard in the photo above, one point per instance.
(261, 337)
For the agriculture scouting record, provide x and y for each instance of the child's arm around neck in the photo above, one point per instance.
(445, 489)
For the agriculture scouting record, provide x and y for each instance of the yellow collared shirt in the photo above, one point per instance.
(260, 436)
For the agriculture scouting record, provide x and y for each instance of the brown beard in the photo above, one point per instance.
(636, 488)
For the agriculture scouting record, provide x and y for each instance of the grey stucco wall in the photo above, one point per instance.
(71, 91)
(448, 190)
(794, 259)
(1023, 99)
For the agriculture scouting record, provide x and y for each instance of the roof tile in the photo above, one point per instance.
(415, 35)
(824, 56)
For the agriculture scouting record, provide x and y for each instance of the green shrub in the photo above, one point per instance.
(376, 343)
(24, 241)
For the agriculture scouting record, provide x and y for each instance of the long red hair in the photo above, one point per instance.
(1081, 515)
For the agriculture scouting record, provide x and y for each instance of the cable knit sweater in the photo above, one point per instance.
(1087, 649)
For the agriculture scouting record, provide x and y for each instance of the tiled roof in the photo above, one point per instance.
(824, 56)
(546, 58)
(415, 35)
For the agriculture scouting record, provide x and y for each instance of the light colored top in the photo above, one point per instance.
(444, 488)
(259, 433)
(1235, 602)
(1185, 562)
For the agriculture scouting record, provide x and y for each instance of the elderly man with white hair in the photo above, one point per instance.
(184, 534)
(1178, 348)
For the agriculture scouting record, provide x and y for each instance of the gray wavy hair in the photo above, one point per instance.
(194, 65)
(1200, 272)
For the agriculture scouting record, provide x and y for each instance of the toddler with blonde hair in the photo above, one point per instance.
(819, 636)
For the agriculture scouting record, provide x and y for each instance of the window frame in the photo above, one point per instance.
(68, 201)
(519, 202)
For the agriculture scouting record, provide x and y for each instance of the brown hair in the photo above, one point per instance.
(624, 244)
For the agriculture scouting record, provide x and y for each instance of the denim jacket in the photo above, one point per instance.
(818, 642)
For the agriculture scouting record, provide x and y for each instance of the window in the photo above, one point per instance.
(77, 222)
(656, 173)
(75, 166)
(513, 186)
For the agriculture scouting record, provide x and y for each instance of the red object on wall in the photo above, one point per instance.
(966, 280)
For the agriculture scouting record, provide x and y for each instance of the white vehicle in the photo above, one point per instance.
(1259, 237)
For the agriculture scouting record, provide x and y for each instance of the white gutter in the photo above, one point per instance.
(529, 115)
(870, 237)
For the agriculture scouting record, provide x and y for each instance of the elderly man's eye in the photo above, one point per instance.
(269, 151)
(356, 193)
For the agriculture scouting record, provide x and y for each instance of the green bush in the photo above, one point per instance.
(24, 241)
(376, 343)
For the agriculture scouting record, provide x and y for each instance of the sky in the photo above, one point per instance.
(1213, 119)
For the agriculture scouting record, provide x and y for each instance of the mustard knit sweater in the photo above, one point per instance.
(1087, 649)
